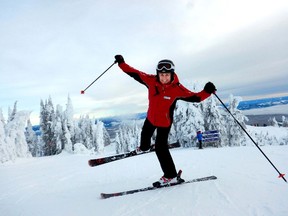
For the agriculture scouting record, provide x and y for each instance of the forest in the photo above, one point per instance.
(59, 131)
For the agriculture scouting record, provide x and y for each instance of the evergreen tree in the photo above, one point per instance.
(12, 138)
(47, 119)
(211, 114)
(123, 137)
(118, 145)
(98, 137)
(39, 147)
(15, 136)
(93, 136)
(213, 118)
(66, 138)
(31, 139)
(58, 129)
(188, 119)
(273, 122)
(128, 136)
(85, 136)
(4, 154)
(235, 135)
(12, 113)
(68, 116)
(172, 135)
(77, 132)
(284, 122)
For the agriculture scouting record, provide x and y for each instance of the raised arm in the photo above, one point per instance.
(140, 76)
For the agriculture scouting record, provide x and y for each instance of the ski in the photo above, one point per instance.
(104, 160)
(108, 195)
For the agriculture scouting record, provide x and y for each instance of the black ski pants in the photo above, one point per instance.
(161, 147)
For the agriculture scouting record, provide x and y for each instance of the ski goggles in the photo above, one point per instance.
(166, 66)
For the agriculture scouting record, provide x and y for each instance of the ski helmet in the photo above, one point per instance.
(165, 66)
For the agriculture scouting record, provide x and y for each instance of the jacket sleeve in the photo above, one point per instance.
(189, 96)
(140, 76)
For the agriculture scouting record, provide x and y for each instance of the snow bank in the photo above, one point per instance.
(79, 148)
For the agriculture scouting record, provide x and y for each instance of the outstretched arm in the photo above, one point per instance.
(140, 76)
(189, 96)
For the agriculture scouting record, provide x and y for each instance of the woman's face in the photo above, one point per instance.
(165, 78)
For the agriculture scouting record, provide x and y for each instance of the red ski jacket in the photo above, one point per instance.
(162, 97)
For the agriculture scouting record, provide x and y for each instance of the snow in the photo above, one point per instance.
(65, 185)
(60, 185)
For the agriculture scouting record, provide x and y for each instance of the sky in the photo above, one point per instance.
(57, 48)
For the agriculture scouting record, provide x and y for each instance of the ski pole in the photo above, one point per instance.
(83, 91)
(281, 175)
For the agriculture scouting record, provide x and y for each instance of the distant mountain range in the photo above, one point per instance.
(262, 103)
(111, 121)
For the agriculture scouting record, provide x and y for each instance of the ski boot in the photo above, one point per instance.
(139, 151)
(163, 182)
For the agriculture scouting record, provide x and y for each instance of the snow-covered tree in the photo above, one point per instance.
(273, 122)
(86, 133)
(188, 119)
(235, 134)
(93, 136)
(47, 124)
(12, 113)
(31, 139)
(172, 138)
(128, 136)
(213, 118)
(58, 129)
(39, 147)
(15, 137)
(68, 117)
(4, 154)
(66, 138)
(98, 136)
(284, 121)
(118, 144)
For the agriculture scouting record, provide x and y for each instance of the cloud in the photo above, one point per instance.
(247, 58)
(57, 48)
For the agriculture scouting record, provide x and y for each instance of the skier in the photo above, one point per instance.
(164, 90)
(199, 137)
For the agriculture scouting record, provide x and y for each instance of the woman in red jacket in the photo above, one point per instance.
(164, 90)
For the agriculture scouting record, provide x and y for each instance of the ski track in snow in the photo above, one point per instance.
(66, 185)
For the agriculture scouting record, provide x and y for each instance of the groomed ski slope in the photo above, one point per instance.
(65, 185)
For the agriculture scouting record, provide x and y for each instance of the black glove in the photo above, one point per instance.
(119, 59)
(210, 88)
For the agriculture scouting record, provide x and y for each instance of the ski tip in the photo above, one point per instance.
(82, 92)
(90, 163)
(108, 195)
(104, 196)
